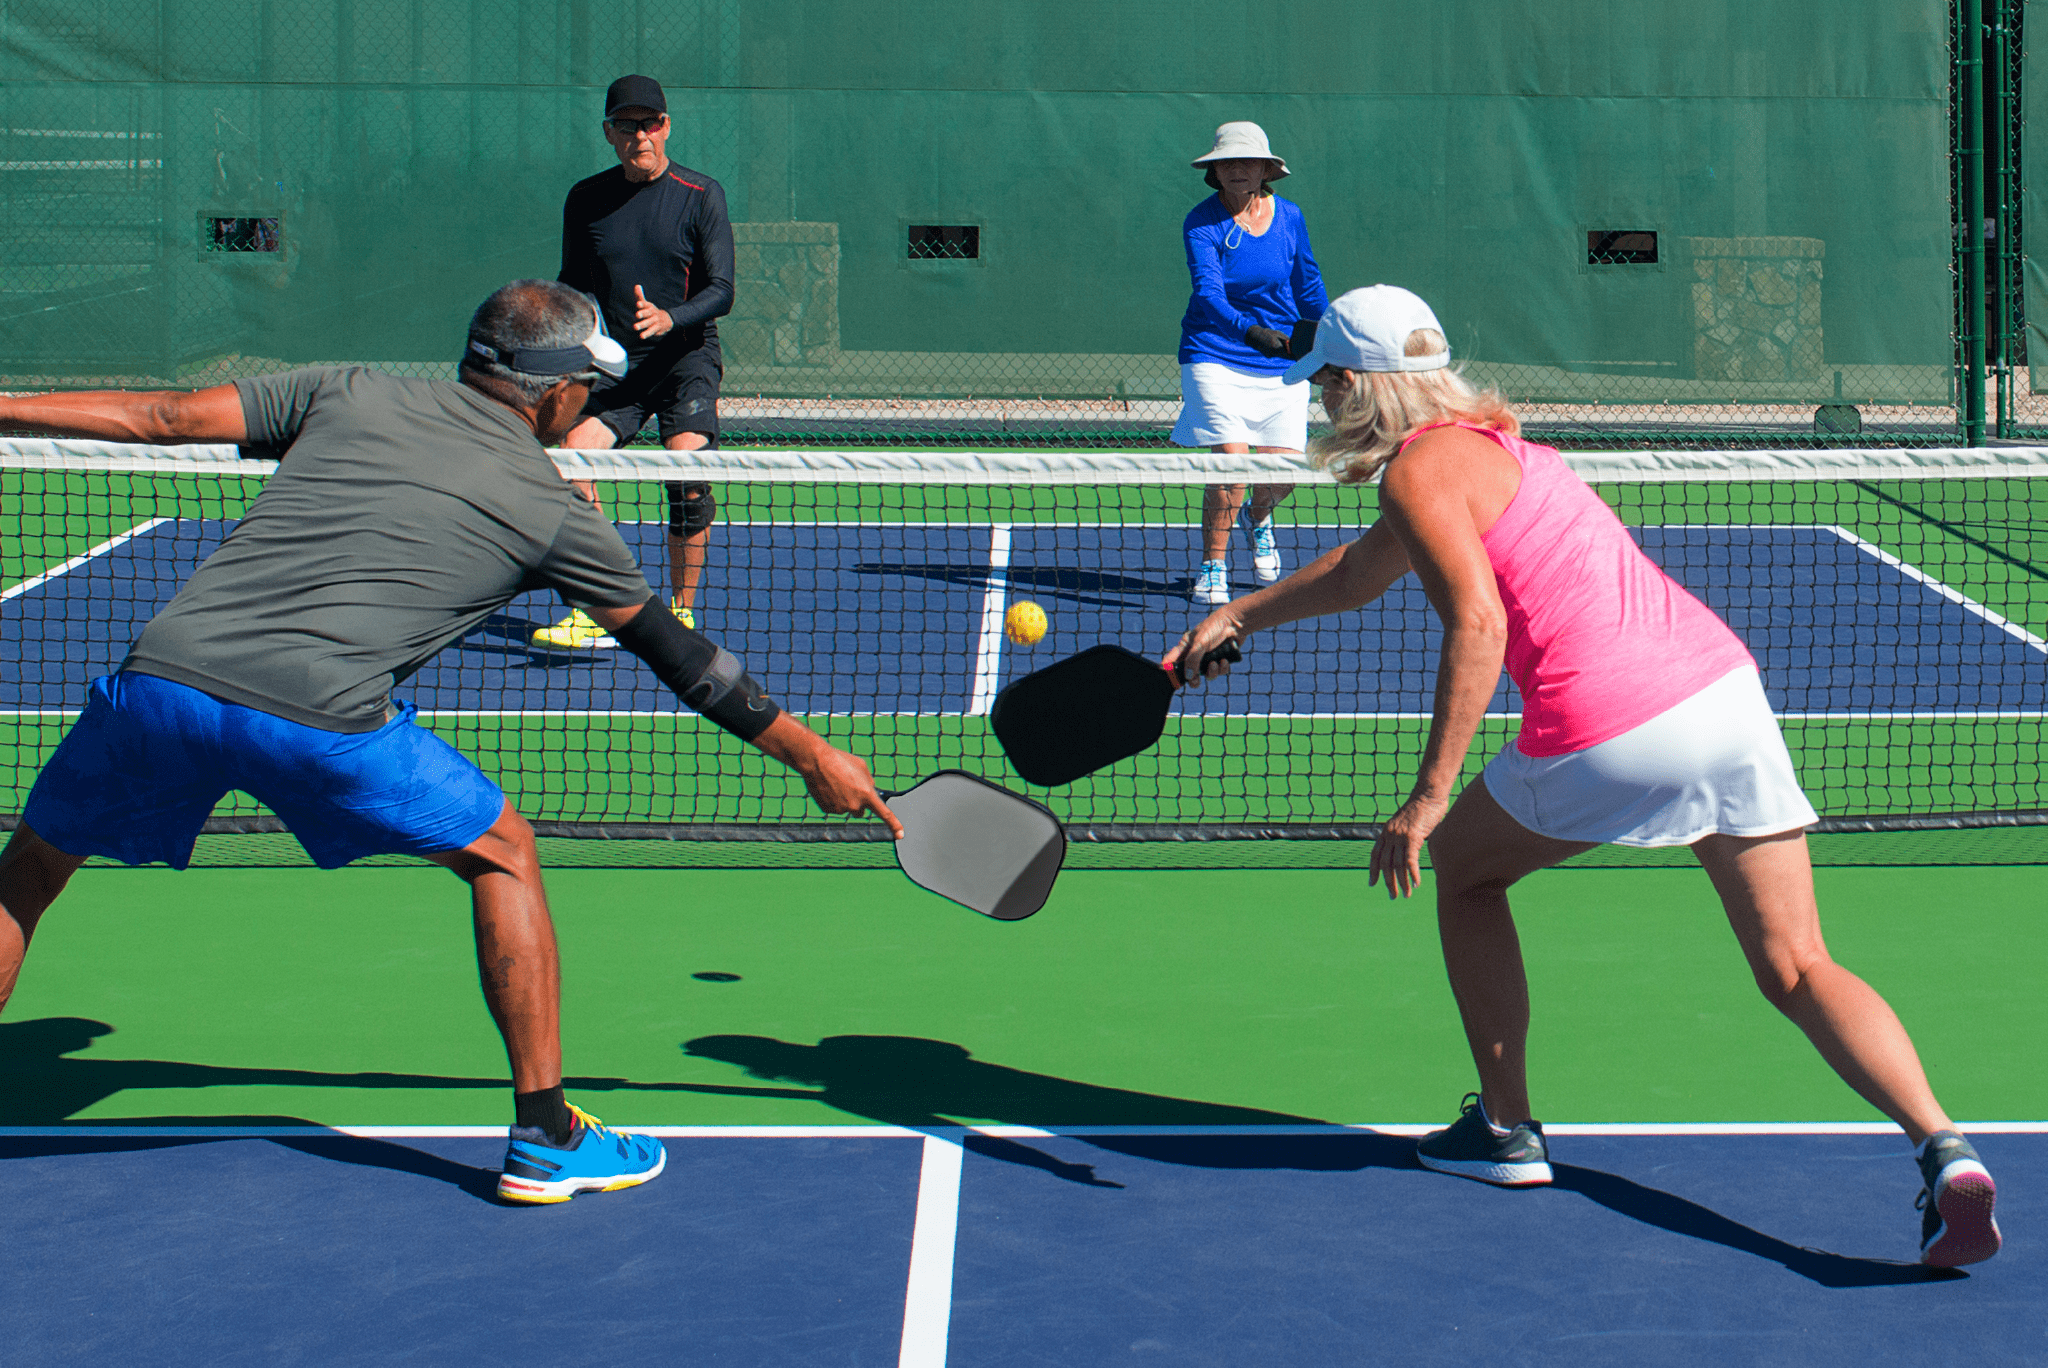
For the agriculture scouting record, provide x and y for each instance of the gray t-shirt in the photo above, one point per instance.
(404, 513)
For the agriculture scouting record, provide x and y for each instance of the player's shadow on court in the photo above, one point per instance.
(360, 1151)
(44, 1081)
(925, 1084)
(1095, 588)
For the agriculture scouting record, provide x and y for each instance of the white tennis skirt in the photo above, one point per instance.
(1220, 403)
(1713, 763)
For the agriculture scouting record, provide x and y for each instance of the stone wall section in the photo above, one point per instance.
(1756, 307)
(786, 296)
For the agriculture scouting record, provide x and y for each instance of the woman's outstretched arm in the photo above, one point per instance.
(1337, 581)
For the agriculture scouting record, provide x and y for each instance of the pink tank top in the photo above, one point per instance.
(1599, 639)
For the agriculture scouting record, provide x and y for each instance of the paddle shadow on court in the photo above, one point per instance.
(924, 1084)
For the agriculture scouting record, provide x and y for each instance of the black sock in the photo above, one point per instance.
(546, 1111)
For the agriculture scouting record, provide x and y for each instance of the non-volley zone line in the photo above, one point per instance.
(58, 571)
(1315, 1219)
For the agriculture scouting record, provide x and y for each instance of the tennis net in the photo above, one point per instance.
(1897, 601)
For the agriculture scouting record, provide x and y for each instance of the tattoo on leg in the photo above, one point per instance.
(498, 973)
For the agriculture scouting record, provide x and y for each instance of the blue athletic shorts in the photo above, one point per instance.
(141, 769)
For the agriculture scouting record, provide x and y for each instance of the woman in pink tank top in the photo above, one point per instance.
(1643, 723)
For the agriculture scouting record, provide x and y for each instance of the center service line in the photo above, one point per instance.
(928, 1301)
(988, 655)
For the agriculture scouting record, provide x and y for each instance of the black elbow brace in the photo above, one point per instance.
(706, 676)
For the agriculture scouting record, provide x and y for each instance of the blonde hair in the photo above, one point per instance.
(1382, 409)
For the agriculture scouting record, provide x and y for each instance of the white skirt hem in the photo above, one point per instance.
(1713, 763)
(1220, 404)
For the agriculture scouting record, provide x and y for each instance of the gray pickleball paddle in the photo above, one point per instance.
(979, 844)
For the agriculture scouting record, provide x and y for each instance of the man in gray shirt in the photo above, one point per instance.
(402, 515)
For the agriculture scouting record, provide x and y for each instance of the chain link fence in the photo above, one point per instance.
(1723, 226)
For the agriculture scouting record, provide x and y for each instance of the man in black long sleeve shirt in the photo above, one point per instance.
(651, 242)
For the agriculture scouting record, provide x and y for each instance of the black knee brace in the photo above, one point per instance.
(690, 508)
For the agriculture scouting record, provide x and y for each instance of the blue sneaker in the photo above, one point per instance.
(598, 1159)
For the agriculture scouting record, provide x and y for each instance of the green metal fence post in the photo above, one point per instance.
(1970, 64)
(2011, 211)
(1998, 312)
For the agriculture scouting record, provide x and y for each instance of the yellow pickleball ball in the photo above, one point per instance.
(1024, 624)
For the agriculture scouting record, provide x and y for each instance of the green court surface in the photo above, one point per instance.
(1138, 996)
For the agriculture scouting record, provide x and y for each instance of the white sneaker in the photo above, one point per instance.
(1265, 552)
(1213, 584)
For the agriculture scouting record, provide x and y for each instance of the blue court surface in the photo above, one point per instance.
(873, 1246)
(906, 618)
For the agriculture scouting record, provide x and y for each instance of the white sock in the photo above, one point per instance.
(1499, 1132)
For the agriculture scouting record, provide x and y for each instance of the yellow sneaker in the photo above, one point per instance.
(575, 632)
(682, 611)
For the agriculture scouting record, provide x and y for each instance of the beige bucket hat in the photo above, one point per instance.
(1241, 139)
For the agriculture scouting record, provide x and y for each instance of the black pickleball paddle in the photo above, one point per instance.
(979, 844)
(1090, 710)
(1302, 340)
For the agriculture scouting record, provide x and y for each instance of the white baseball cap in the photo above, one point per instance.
(1367, 330)
(1241, 139)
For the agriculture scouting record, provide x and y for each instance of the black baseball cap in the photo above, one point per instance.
(629, 92)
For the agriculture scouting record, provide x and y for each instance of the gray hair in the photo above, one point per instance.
(536, 314)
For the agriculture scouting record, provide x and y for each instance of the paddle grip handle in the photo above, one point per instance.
(1227, 652)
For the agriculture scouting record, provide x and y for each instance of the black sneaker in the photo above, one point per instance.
(1469, 1148)
(1955, 1221)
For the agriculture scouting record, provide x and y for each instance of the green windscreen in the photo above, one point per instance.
(1643, 210)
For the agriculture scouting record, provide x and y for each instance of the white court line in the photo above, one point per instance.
(988, 651)
(76, 561)
(1648, 1128)
(1879, 554)
(928, 1296)
(1967, 603)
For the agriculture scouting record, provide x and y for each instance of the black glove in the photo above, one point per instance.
(1266, 341)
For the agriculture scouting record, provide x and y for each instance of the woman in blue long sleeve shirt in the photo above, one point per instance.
(1254, 278)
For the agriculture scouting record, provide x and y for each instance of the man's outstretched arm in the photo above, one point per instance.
(157, 416)
(712, 681)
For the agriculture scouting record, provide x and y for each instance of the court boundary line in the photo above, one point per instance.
(1940, 587)
(956, 1135)
(36, 581)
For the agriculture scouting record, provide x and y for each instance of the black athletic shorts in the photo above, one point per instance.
(683, 397)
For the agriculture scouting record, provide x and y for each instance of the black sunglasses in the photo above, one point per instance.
(628, 127)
